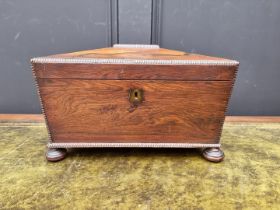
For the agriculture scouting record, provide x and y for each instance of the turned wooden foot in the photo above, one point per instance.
(213, 154)
(54, 154)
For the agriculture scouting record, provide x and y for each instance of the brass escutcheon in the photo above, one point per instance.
(135, 96)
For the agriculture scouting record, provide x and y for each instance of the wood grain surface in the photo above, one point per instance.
(99, 110)
(136, 53)
(134, 72)
(22, 118)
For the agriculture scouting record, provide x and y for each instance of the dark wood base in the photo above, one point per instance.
(54, 155)
(213, 154)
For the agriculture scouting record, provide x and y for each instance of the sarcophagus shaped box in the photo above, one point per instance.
(134, 96)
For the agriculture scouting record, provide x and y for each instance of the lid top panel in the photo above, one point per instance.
(139, 52)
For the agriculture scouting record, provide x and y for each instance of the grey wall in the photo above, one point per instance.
(30, 28)
(247, 31)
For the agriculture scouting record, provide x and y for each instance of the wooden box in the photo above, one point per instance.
(134, 96)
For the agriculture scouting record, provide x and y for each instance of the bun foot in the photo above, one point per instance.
(213, 154)
(54, 154)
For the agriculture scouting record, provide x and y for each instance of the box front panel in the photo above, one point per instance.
(135, 72)
(82, 110)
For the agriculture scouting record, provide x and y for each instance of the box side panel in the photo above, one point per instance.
(99, 110)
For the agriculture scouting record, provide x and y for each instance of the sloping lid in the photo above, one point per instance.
(134, 54)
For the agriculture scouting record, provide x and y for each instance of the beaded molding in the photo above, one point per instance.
(142, 145)
(144, 46)
(228, 98)
(41, 102)
(134, 61)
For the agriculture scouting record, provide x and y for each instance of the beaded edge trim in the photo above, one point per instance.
(144, 46)
(134, 61)
(41, 102)
(228, 99)
(141, 145)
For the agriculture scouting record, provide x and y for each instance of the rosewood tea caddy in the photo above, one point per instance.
(134, 96)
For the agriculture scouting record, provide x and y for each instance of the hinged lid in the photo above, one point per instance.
(134, 54)
(137, 62)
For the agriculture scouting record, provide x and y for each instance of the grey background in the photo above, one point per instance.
(247, 31)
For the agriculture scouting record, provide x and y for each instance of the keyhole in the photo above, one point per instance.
(135, 96)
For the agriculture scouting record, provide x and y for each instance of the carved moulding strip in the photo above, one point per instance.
(227, 103)
(41, 102)
(134, 61)
(142, 145)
